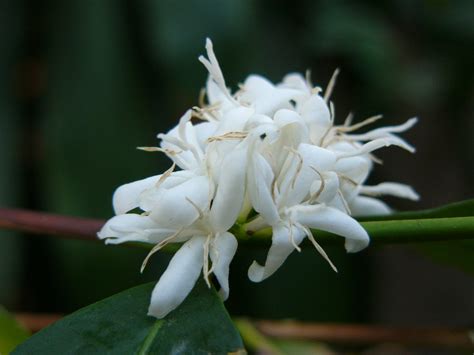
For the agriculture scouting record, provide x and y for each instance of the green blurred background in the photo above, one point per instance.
(85, 82)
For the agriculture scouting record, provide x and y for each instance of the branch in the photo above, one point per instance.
(369, 334)
(381, 232)
(52, 224)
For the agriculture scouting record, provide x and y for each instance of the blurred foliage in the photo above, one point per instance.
(11, 333)
(103, 77)
(11, 37)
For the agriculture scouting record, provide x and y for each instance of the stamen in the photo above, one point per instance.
(321, 188)
(375, 159)
(325, 135)
(157, 247)
(331, 84)
(207, 113)
(158, 149)
(365, 122)
(199, 211)
(347, 178)
(182, 126)
(318, 247)
(298, 167)
(216, 251)
(206, 261)
(228, 135)
(274, 189)
(308, 78)
(292, 238)
(202, 95)
(165, 175)
(332, 111)
(344, 202)
(348, 120)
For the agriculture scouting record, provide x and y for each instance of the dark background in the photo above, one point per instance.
(85, 82)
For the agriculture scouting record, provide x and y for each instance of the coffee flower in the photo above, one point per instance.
(264, 156)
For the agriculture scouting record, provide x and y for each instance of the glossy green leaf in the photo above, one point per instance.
(11, 333)
(119, 325)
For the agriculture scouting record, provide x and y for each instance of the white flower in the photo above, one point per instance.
(273, 149)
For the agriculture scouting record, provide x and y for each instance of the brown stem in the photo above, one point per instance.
(48, 223)
(368, 334)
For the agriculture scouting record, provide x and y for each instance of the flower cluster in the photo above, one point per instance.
(265, 156)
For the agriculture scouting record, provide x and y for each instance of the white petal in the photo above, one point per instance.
(328, 191)
(319, 158)
(230, 189)
(368, 206)
(355, 168)
(204, 131)
(264, 96)
(377, 144)
(260, 179)
(133, 227)
(234, 120)
(296, 81)
(385, 131)
(178, 206)
(334, 221)
(150, 197)
(315, 161)
(216, 96)
(223, 250)
(184, 158)
(292, 126)
(212, 65)
(282, 247)
(315, 113)
(178, 279)
(315, 110)
(126, 197)
(391, 188)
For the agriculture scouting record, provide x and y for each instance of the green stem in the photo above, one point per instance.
(397, 231)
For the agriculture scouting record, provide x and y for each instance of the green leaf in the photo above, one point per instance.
(11, 333)
(119, 325)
